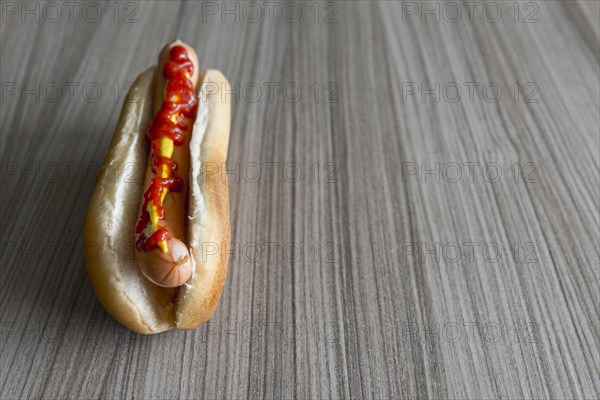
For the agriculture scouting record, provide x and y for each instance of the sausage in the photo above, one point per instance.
(161, 252)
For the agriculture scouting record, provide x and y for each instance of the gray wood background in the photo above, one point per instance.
(435, 245)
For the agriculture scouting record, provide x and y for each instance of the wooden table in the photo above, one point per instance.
(414, 200)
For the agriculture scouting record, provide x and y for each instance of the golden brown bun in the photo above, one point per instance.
(121, 288)
(208, 233)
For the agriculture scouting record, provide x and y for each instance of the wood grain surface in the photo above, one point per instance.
(414, 196)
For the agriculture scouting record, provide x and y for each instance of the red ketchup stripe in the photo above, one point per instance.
(180, 102)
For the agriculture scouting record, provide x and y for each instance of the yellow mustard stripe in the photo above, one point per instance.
(164, 173)
(166, 150)
(153, 215)
(166, 147)
(163, 245)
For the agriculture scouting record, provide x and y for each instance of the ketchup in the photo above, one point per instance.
(179, 103)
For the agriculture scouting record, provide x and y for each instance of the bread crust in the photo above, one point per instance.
(208, 231)
(124, 292)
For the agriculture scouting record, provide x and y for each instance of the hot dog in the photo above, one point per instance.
(168, 127)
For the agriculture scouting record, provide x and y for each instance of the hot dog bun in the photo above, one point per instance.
(121, 288)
